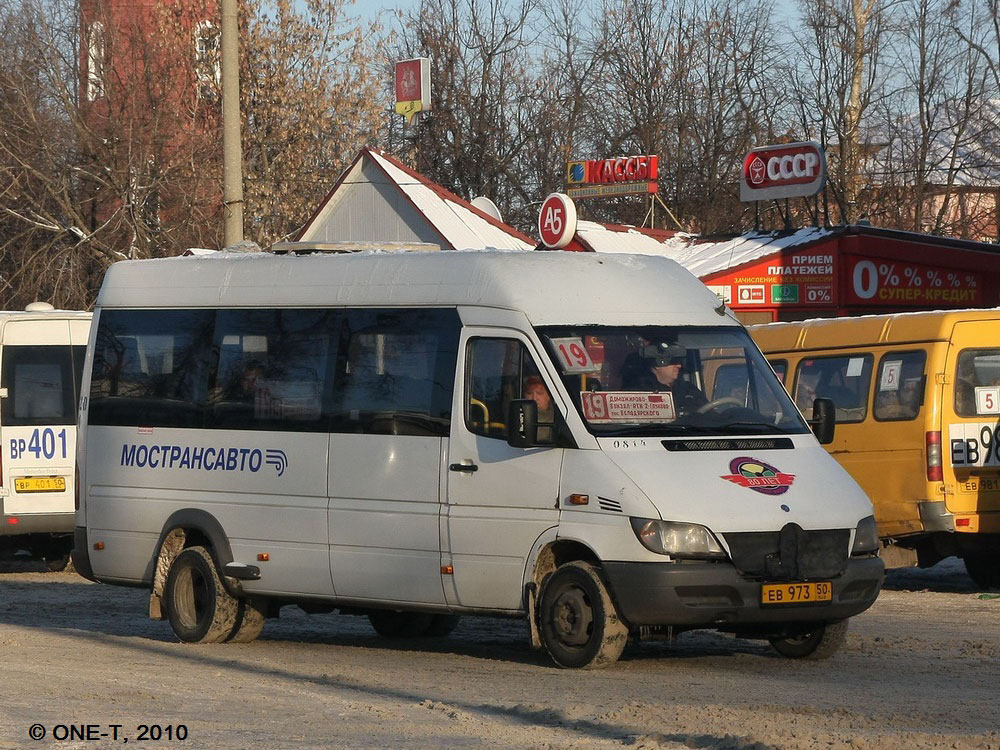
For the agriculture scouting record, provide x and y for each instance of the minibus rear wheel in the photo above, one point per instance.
(984, 570)
(199, 608)
(250, 621)
(821, 643)
(579, 624)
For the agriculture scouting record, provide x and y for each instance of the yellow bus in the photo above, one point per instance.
(917, 399)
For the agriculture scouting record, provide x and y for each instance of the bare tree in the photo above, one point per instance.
(312, 96)
(473, 140)
(92, 174)
(840, 77)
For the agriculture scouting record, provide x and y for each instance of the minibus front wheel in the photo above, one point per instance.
(198, 606)
(578, 623)
(820, 643)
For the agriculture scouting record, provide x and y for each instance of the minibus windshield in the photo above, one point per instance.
(658, 380)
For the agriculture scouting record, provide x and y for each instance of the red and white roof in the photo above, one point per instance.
(379, 199)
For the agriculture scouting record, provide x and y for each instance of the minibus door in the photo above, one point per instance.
(38, 416)
(500, 498)
(971, 417)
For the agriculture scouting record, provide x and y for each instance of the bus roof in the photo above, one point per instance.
(9, 315)
(866, 330)
(549, 287)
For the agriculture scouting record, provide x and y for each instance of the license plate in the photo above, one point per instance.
(40, 484)
(981, 484)
(816, 592)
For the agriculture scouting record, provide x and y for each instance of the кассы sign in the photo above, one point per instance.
(788, 170)
(608, 171)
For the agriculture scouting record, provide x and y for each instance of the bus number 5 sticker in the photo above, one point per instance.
(573, 355)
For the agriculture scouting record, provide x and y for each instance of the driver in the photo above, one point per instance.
(663, 368)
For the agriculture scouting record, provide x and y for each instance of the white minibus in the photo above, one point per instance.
(415, 436)
(41, 364)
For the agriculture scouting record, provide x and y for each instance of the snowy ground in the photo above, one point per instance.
(920, 671)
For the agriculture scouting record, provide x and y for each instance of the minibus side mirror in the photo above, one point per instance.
(522, 423)
(824, 419)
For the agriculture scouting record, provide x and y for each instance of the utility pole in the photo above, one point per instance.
(232, 148)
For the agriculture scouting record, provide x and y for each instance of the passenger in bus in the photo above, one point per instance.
(663, 363)
(909, 397)
(965, 388)
(888, 406)
(805, 392)
(534, 388)
(243, 387)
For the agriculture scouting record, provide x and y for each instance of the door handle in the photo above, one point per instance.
(466, 466)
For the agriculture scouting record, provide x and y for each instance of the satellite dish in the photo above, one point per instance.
(487, 206)
(38, 307)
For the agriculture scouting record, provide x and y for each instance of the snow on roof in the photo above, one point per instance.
(461, 223)
(700, 258)
(705, 258)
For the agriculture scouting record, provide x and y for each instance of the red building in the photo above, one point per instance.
(149, 74)
(858, 270)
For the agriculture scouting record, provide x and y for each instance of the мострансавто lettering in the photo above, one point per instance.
(188, 457)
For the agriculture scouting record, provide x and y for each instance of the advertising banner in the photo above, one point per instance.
(788, 170)
(897, 283)
(804, 278)
(622, 175)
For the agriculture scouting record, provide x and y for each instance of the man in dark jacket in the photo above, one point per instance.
(663, 363)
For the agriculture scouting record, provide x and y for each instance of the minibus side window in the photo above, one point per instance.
(977, 375)
(497, 372)
(844, 379)
(395, 372)
(899, 387)
(151, 367)
(268, 369)
(306, 370)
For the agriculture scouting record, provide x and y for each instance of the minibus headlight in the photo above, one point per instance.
(676, 539)
(865, 537)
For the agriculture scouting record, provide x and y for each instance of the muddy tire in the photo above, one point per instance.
(984, 570)
(55, 554)
(389, 624)
(442, 625)
(578, 623)
(199, 608)
(821, 643)
(249, 620)
(57, 564)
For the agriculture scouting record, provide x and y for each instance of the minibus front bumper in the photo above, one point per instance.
(706, 594)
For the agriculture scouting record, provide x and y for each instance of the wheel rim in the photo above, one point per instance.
(194, 597)
(799, 640)
(573, 617)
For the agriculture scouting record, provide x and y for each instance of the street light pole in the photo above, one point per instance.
(232, 150)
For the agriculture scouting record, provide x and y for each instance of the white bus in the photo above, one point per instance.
(352, 432)
(41, 364)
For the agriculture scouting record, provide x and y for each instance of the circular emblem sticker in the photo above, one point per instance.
(758, 476)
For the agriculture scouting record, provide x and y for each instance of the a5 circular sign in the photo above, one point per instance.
(557, 221)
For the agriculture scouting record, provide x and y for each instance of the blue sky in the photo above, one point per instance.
(370, 9)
